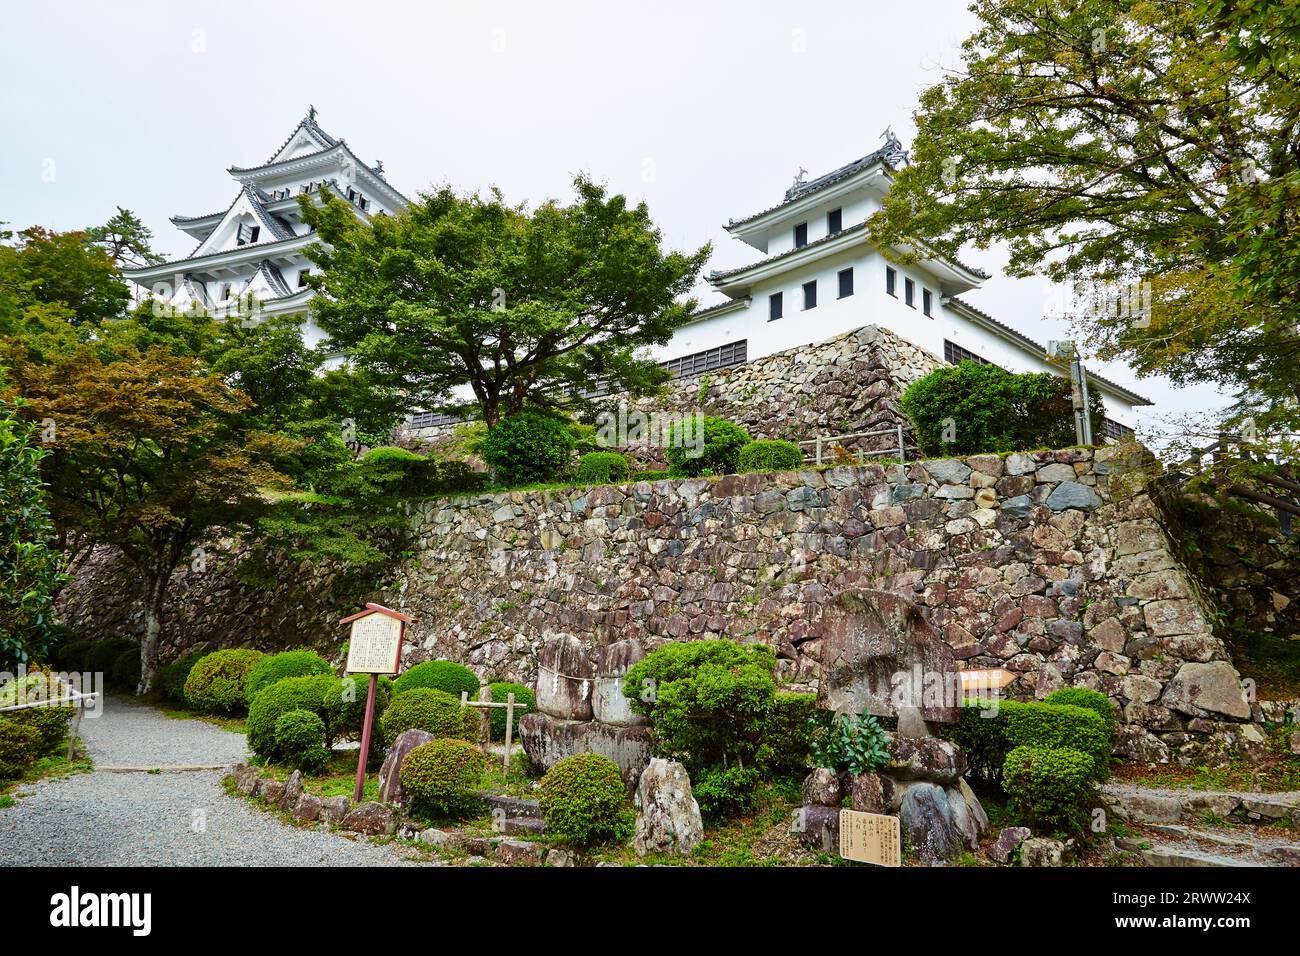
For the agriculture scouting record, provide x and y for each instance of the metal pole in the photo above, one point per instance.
(1087, 406)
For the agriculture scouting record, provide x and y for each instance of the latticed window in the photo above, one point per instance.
(953, 353)
(1113, 429)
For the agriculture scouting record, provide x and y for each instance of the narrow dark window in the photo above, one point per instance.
(257, 230)
(834, 222)
(909, 292)
(302, 278)
(891, 281)
(846, 283)
(927, 301)
(810, 295)
(774, 307)
(801, 235)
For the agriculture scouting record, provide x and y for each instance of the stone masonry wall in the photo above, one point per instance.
(1045, 564)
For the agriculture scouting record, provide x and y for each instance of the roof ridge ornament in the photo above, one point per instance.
(892, 152)
(799, 178)
(311, 113)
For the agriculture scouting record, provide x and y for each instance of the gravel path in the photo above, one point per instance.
(172, 818)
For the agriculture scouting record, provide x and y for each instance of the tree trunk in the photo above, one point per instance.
(152, 632)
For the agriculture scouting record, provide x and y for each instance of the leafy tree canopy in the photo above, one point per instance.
(527, 308)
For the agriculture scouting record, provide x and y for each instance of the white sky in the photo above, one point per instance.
(704, 110)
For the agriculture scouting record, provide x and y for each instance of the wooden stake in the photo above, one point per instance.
(510, 726)
(365, 740)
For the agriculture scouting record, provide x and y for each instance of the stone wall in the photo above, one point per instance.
(1044, 564)
(847, 384)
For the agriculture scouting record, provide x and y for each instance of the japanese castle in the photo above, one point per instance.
(250, 255)
(820, 275)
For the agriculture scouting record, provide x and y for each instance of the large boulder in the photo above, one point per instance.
(548, 740)
(390, 782)
(667, 816)
(874, 793)
(565, 679)
(292, 790)
(1008, 839)
(817, 828)
(878, 653)
(926, 758)
(608, 705)
(1213, 688)
(822, 788)
(927, 819)
(371, 818)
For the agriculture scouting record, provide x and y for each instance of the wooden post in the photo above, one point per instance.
(902, 451)
(365, 740)
(510, 726)
(485, 718)
(819, 449)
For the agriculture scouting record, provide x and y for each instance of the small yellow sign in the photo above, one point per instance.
(871, 838)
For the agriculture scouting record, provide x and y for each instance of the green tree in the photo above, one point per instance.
(1123, 141)
(29, 564)
(65, 269)
(126, 239)
(526, 308)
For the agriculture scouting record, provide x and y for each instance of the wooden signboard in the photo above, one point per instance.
(871, 838)
(975, 682)
(375, 648)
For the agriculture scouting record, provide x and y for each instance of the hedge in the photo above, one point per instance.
(217, 681)
(172, 677)
(1093, 700)
(276, 700)
(987, 740)
(583, 801)
(299, 663)
(19, 748)
(602, 467)
(765, 455)
(719, 454)
(441, 776)
(527, 448)
(432, 710)
(523, 695)
(1053, 788)
(446, 676)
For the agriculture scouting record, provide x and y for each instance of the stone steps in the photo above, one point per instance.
(1152, 805)
(1172, 844)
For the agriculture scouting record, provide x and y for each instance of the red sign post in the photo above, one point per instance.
(375, 648)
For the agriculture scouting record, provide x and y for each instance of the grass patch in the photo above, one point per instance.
(173, 712)
(47, 768)
(1273, 662)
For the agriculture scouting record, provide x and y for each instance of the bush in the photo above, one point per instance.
(1093, 700)
(344, 706)
(126, 669)
(19, 747)
(276, 667)
(601, 467)
(724, 792)
(276, 700)
(441, 777)
(787, 744)
(720, 454)
(649, 475)
(528, 448)
(172, 677)
(427, 709)
(217, 681)
(103, 655)
(74, 655)
(299, 740)
(852, 744)
(1053, 788)
(996, 410)
(50, 723)
(446, 676)
(987, 740)
(523, 695)
(770, 456)
(583, 801)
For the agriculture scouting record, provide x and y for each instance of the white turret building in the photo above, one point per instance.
(821, 276)
(249, 255)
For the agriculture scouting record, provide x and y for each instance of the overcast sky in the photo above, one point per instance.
(705, 110)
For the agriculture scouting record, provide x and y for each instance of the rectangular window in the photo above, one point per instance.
(801, 235)
(891, 281)
(810, 295)
(1113, 429)
(775, 309)
(302, 278)
(953, 353)
(723, 356)
(246, 234)
(834, 222)
(909, 292)
(927, 301)
(846, 283)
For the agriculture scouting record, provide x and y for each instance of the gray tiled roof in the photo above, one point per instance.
(726, 273)
(274, 278)
(821, 182)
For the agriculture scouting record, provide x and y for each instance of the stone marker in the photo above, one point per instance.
(565, 679)
(668, 817)
(390, 782)
(608, 704)
(548, 740)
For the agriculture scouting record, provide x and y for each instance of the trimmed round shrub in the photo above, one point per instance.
(344, 706)
(19, 747)
(276, 667)
(717, 454)
(602, 467)
(216, 683)
(432, 710)
(583, 801)
(523, 695)
(1052, 788)
(126, 669)
(988, 731)
(172, 677)
(446, 676)
(300, 740)
(765, 455)
(103, 655)
(273, 702)
(528, 448)
(441, 777)
(1093, 700)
